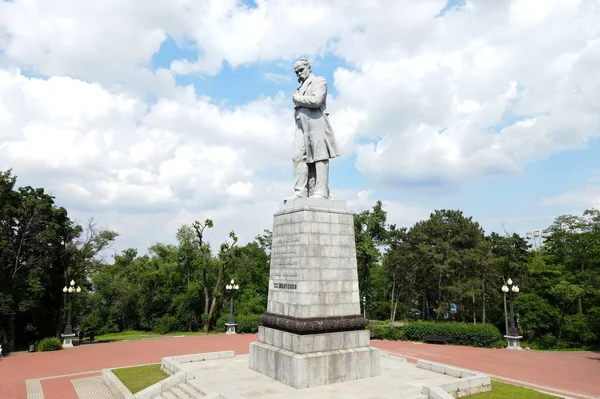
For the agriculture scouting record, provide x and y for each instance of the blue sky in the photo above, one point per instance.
(490, 108)
(515, 200)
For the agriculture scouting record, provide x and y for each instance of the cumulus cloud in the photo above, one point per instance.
(92, 145)
(423, 98)
(587, 196)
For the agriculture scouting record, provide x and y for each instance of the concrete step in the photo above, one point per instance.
(197, 385)
(168, 395)
(192, 390)
(181, 394)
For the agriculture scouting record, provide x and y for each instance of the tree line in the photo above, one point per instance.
(443, 268)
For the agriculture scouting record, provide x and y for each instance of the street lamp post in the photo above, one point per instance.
(68, 334)
(231, 288)
(512, 334)
(364, 306)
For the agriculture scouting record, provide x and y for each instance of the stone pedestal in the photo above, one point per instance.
(230, 328)
(513, 342)
(67, 340)
(313, 333)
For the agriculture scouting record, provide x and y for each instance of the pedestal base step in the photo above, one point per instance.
(303, 370)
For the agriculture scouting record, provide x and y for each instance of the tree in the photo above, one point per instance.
(212, 270)
(31, 235)
(370, 232)
(447, 252)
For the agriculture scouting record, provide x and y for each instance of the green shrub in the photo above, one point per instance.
(219, 325)
(49, 344)
(385, 331)
(482, 335)
(247, 323)
(165, 324)
(109, 328)
(546, 341)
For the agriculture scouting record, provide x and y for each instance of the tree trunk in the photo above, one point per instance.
(579, 306)
(560, 330)
(11, 345)
(206, 307)
(483, 316)
(210, 312)
(439, 301)
(474, 309)
(393, 310)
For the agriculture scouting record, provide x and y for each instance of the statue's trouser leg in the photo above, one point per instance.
(300, 167)
(322, 188)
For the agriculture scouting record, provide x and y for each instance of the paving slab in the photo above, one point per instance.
(232, 378)
(572, 371)
(571, 374)
(91, 388)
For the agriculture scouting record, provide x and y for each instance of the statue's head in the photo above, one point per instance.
(302, 69)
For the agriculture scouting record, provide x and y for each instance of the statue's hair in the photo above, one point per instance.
(304, 61)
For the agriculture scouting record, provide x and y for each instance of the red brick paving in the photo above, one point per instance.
(573, 371)
(16, 369)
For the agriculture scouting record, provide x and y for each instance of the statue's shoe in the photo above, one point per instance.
(318, 196)
(294, 197)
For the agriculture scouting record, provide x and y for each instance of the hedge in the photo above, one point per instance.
(246, 323)
(482, 335)
(385, 331)
(49, 344)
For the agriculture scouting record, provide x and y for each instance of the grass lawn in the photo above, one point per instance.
(140, 377)
(534, 346)
(135, 335)
(500, 390)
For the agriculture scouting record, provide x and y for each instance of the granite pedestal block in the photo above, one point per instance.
(309, 368)
(313, 333)
(513, 342)
(67, 340)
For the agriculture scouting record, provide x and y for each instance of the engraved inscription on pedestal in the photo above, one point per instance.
(313, 272)
(313, 332)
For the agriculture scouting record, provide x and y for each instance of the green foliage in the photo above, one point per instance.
(219, 325)
(165, 324)
(386, 331)
(546, 341)
(536, 315)
(441, 268)
(247, 324)
(49, 344)
(109, 328)
(482, 335)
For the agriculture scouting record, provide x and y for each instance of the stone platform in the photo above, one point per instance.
(231, 378)
(303, 361)
(313, 332)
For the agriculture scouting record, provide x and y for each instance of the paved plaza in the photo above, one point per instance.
(232, 377)
(61, 374)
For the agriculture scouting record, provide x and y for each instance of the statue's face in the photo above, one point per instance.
(302, 71)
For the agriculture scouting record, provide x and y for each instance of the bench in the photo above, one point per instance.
(438, 339)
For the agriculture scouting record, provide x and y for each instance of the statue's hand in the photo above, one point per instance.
(295, 97)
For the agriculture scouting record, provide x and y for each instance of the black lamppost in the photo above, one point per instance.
(69, 292)
(231, 289)
(364, 306)
(512, 335)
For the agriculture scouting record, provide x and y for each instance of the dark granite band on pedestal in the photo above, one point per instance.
(313, 325)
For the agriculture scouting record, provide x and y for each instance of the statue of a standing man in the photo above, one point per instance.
(314, 141)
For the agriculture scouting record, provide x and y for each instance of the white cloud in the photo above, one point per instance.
(108, 150)
(587, 196)
(482, 90)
